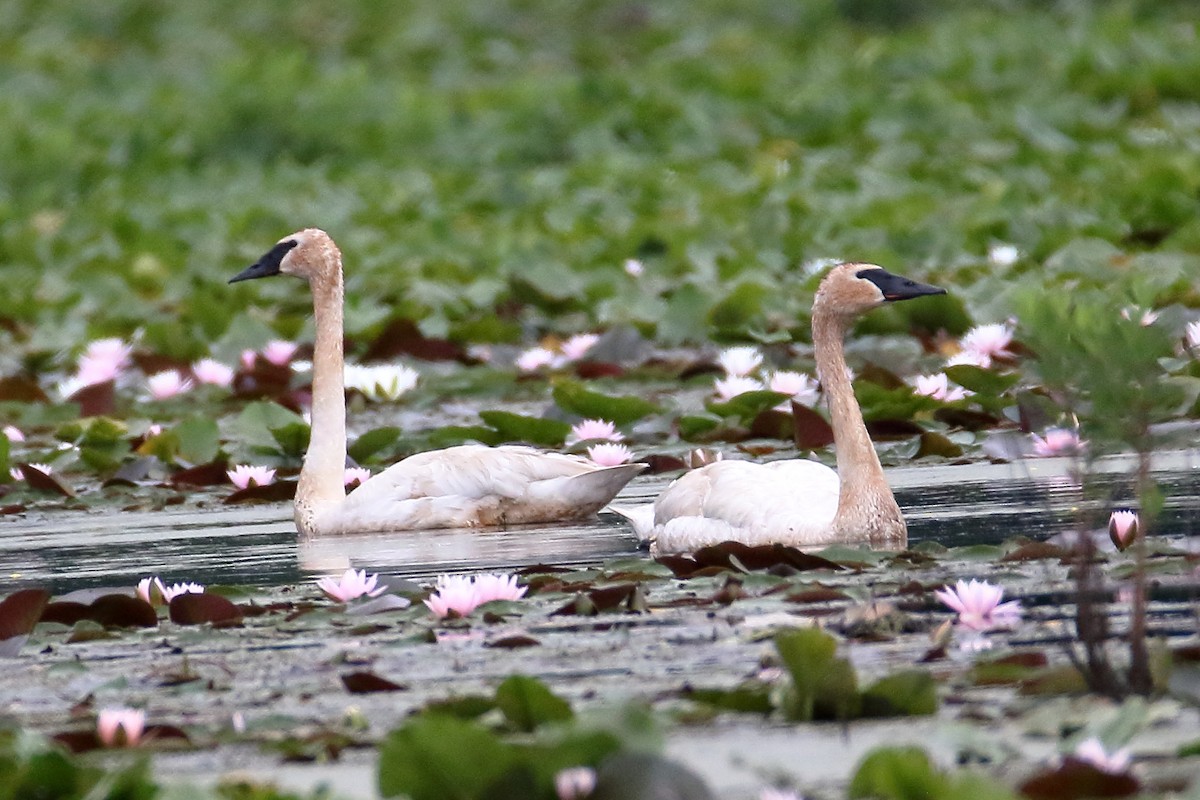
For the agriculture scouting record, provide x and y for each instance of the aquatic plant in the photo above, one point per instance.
(593, 429)
(350, 586)
(244, 476)
(117, 727)
(978, 605)
(609, 454)
(574, 783)
(1123, 527)
(459, 595)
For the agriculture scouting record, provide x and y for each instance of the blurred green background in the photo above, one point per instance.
(487, 167)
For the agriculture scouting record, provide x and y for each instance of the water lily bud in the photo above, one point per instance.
(1123, 527)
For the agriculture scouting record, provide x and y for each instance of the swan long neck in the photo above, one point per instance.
(866, 507)
(322, 478)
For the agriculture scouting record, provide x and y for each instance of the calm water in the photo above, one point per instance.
(954, 505)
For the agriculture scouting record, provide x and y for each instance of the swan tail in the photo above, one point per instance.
(587, 492)
(640, 518)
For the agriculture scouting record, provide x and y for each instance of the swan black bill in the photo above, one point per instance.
(897, 287)
(268, 265)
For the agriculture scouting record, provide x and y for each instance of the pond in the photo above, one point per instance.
(950, 504)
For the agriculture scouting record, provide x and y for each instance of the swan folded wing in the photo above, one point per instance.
(792, 502)
(472, 485)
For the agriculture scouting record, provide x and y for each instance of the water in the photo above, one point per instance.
(954, 505)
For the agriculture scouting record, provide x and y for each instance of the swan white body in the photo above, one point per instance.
(459, 487)
(796, 502)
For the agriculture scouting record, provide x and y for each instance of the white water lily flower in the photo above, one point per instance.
(802, 388)
(380, 382)
(739, 362)
(169, 593)
(351, 586)
(1003, 255)
(609, 454)
(731, 387)
(13, 433)
(634, 268)
(1193, 335)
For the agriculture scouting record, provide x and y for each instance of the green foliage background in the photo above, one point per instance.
(487, 167)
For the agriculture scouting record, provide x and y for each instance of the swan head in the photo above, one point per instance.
(852, 289)
(307, 254)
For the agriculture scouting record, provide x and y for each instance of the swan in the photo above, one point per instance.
(459, 487)
(796, 501)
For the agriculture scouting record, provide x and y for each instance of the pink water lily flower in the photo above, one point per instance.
(279, 352)
(574, 783)
(244, 476)
(609, 454)
(18, 475)
(739, 362)
(1123, 527)
(938, 387)
(116, 727)
(1092, 752)
(167, 384)
(145, 589)
(578, 345)
(979, 607)
(1058, 442)
(459, 595)
(355, 476)
(592, 429)
(103, 360)
(212, 372)
(731, 387)
(536, 358)
(13, 434)
(351, 586)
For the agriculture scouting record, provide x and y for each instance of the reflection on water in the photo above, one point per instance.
(955, 505)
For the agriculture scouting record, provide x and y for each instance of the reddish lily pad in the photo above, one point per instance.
(65, 612)
(402, 337)
(20, 389)
(588, 604)
(95, 399)
(1036, 551)
(810, 431)
(19, 612)
(211, 474)
(513, 642)
(45, 482)
(276, 492)
(1075, 780)
(122, 611)
(368, 682)
(198, 608)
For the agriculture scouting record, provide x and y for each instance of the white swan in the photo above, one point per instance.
(796, 501)
(459, 487)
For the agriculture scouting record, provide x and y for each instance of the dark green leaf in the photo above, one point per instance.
(574, 397)
(907, 693)
(519, 428)
(434, 757)
(527, 703)
(372, 442)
